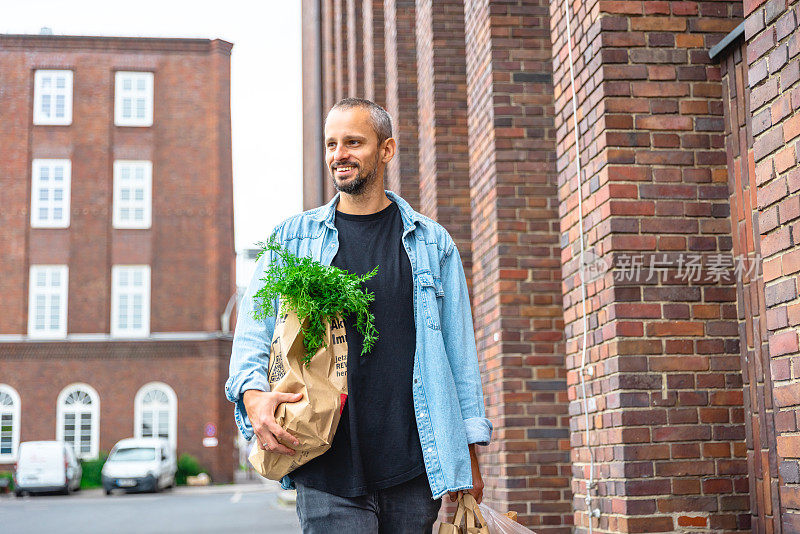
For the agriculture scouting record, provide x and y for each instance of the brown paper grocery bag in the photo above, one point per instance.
(323, 383)
(469, 513)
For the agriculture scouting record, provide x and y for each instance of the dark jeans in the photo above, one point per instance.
(403, 509)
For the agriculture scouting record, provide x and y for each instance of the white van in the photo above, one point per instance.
(46, 466)
(144, 464)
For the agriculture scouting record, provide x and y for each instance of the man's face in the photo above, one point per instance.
(351, 150)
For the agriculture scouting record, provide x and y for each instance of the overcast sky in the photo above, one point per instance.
(266, 89)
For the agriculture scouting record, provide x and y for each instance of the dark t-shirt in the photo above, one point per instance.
(376, 445)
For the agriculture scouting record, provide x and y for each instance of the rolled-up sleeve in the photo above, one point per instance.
(250, 352)
(459, 341)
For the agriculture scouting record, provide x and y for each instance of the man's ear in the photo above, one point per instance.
(388, 149)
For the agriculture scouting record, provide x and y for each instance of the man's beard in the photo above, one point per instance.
(358, 184)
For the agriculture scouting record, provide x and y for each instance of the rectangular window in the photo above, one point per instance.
(133, 99)
(52, 97)
(132, 194)
(50, 193)
(130, 300)
(47, 304)
(6, 435)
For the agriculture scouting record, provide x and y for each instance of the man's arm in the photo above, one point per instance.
(459, 343)
(477, 479)
(250, 351)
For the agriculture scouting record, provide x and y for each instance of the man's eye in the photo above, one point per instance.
(353, 142)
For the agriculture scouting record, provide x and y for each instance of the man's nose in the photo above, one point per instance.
(340, 153)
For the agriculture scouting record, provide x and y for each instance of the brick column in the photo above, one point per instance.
(402, 174)
(773, 44)
(442, 93)
(516, 260)
(374, 53)
(663, 375)
(355, 50)
(329, 77)
(314, 172)
(340, 59)
(753, 319)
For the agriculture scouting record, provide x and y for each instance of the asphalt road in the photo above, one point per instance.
(219, 509)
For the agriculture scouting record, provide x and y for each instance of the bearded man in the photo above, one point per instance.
(415, 409)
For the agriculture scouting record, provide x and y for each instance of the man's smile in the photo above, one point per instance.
(344, 170)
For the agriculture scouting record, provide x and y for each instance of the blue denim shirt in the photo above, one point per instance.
(448, 399)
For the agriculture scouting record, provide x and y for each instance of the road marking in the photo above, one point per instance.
(236, 497)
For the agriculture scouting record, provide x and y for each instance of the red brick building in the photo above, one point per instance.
(656, 389)
(116, 232)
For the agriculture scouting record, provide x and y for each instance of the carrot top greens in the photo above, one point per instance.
(315, 292)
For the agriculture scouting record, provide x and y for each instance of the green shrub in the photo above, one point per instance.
(188, 465)
(91, 471)
(10, 477)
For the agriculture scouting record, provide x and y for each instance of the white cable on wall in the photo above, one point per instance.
(590, 483)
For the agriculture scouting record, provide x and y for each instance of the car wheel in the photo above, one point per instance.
(66, 490)
(18, 493)
(108, 492)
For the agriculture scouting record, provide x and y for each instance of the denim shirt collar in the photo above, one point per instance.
(325, 214)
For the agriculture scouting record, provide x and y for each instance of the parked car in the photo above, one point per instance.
(143, 464)
(46, 466)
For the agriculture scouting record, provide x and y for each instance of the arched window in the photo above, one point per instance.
(9, 423)
(156, 413)
(79, 419)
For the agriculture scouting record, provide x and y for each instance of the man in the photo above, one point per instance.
(415, 408)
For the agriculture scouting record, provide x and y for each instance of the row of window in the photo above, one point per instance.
(130, 301)
(133, 98)
(78, 417)
(51, 186)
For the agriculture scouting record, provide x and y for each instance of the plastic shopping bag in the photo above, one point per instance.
(500, 523)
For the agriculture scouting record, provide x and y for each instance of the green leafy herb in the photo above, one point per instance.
(315, 292)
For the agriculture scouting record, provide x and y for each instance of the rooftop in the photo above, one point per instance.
(113, 44)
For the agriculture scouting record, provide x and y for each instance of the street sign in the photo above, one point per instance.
(211, 430)
(210, 442)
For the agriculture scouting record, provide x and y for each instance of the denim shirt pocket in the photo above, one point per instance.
(431, 293)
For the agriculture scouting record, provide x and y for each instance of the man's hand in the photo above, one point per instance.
(477, 480)
(261, 406)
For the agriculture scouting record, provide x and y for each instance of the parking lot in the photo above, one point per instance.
(234, 508)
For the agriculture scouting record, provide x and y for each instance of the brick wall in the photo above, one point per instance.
(195, 370)
(670, 432)
(190, 243)
(189, 246)
(773, 72)
(666, 421)
(516, 265)
(753, 319)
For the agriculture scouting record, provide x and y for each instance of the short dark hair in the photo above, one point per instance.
(379, 117)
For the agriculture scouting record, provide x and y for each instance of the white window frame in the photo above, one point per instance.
(94, 410)
(145, 204)
(116, 274)
(121, 94)
(39, 115)
(15, 411)
(37, 186)
(34, 291)
(138, 411)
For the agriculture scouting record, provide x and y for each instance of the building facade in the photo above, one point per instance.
(621, 179)
(116, 232)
